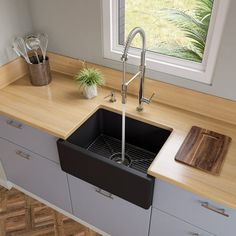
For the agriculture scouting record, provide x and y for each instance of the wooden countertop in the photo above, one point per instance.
(59, 109)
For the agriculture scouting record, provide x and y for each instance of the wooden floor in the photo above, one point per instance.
(21, 215)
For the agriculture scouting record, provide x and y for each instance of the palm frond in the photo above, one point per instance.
(179, 52)
(180, 17)
(195, 34)
(194, 26)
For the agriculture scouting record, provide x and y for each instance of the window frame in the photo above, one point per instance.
(201, 72)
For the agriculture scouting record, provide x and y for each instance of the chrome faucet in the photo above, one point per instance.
(141, 72)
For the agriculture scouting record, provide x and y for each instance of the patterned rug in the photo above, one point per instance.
(21, 215)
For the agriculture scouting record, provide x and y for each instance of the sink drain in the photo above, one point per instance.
(117, 157)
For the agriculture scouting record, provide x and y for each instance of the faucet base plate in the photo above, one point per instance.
(139, 108)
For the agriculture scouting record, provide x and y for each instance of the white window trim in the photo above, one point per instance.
(201, 72)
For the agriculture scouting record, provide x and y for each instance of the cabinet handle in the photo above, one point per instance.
(14, 124)
(104, 193)
(23, 154)
(194, 234)
(211, 208)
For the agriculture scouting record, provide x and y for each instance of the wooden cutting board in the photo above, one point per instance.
(204, 149)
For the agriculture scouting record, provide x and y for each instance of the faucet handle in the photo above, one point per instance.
(148, 100)
(144, 100)
(112, 96)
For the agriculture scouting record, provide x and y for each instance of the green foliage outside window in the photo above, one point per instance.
(173, 27)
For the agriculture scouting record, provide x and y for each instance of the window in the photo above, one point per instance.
(182, 35)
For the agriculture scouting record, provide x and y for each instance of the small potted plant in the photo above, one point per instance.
(89, 79)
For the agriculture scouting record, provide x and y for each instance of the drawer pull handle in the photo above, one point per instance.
(194, 234)
(22, 154)
(104, 193)
(14, 124)
(217, 210)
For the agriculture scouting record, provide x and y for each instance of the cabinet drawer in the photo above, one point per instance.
(30, 138)
(107, 212)
(194, 209)
(163, 224)
(35, 174)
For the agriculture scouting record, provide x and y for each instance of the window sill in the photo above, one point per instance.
(195, 73)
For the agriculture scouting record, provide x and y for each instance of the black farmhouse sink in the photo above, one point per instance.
(92, 153)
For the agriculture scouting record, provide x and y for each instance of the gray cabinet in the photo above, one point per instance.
(194, 209)
(29, 138)
(107, 212)
(35, 174)
(163, 224)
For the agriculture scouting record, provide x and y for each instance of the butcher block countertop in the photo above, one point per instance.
(59, 109)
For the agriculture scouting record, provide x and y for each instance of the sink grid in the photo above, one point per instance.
(106, 146)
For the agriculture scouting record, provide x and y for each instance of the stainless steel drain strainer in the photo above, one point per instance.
(135, 157)
(117, 157)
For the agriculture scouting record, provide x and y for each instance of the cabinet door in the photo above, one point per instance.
(163, 224)
(35, 174)
(30, 138)
(194, 209)
(107, 212)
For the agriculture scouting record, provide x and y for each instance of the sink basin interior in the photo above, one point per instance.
(92, 153)
(101, 134)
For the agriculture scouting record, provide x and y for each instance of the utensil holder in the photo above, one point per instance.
(40, 74)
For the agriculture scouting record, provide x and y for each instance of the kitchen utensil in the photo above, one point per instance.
(32, 43)
(43, 38)
(16, 51)
(20, 48)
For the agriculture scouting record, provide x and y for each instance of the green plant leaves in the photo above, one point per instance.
(195, 27)
(89, 77)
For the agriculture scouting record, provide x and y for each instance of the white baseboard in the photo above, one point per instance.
(6, 184)
(57, 209)
(3, 178)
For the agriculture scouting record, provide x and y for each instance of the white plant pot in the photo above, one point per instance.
(90, 91)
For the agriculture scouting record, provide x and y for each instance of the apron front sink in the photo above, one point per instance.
(93, 154)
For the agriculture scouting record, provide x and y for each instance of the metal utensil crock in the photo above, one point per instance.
(40, 74)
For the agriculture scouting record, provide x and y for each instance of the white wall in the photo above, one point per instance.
(75, 29)
(14, 20)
